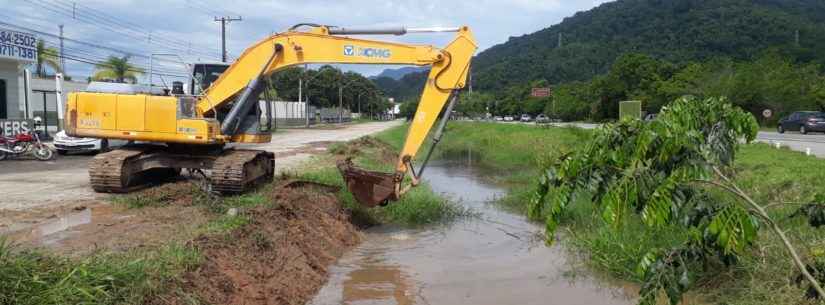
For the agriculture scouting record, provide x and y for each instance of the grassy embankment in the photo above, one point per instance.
(34, 276)
(764, 276)
(38, 277)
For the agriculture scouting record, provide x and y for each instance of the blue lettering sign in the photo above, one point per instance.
(18, 45)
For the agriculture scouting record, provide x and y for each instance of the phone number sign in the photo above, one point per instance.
(18, 45)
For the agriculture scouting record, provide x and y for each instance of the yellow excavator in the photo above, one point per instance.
(193, 131)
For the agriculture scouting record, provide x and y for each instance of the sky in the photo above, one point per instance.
(96, 29)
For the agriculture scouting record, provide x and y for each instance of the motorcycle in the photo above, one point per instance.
(24, 143)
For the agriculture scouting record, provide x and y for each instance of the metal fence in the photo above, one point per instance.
(293, 114)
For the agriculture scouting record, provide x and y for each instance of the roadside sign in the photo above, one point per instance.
(18, 45)
(767, 113)
(13, 127)
(541, 92)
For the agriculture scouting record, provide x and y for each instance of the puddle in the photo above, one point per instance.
(53, 231)
(498, 258)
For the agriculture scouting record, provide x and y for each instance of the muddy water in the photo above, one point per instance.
(496, 258)
(55, 230)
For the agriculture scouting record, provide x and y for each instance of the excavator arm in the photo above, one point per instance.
(237, 86)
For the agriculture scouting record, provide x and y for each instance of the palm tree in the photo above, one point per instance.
(46, 57)
(117, 69)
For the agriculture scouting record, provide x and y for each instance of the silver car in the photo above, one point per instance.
(65, 144)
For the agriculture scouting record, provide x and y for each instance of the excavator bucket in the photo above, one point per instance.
(369, 188)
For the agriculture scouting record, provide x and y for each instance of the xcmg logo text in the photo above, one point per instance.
(350, 50)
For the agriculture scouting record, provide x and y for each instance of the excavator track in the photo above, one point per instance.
(132, 168)
(117, 171)
(237, 170)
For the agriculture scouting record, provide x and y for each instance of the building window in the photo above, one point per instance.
(3, 100)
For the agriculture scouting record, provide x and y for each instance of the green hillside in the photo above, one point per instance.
(761, 54)
(676, 31)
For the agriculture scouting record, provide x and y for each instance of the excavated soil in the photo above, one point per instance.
(375, 147)
(281, 257)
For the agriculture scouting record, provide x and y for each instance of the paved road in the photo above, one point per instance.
(793, 140)
(796, 141)
(26, 184)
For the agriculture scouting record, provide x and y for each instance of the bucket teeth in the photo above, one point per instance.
(369, 188)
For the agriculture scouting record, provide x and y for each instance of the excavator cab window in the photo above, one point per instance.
(203, 75)
(186, 107)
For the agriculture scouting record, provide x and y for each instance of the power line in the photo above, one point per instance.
(83, 14)
(89, 44)
(205, 8)
(224, 21)
(81, 55)
(104, 17)
(97, 60)
(98, 64)
(98, 16)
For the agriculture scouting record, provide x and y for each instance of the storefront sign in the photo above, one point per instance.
(18, 45)
(13, 127)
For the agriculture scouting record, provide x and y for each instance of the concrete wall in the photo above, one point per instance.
(11, 75)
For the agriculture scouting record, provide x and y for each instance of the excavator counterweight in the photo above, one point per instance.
(193, 130)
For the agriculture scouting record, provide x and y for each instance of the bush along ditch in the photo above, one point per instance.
(676, 175)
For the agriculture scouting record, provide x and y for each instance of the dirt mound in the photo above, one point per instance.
(181, 192)
(376, 147)
(280, 257)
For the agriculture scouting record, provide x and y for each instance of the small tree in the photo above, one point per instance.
(657, 171)
(46, 57)
(117, 69)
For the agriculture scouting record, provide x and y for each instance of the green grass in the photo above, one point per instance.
(419, 206)
(771, 176)
(34, 277)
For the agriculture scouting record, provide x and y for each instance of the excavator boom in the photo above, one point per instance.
(448, 73)
(194, 129)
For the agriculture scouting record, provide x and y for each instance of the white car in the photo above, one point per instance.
(66, 144)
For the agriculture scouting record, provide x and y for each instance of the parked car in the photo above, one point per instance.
(65, 144)
(508, 118)
(802, 121)
(542, 119)
(526, 118)
(498, 118)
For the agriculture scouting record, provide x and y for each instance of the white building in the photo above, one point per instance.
(23, 96)
(17, 50)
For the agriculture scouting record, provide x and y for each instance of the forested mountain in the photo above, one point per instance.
(677, 31)
(408, 86)
(761, 54)
(398, 73)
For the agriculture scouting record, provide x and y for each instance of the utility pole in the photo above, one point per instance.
(797, 38)
(62, 57)
(223, 21)
(471, 79)
(560, 41)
